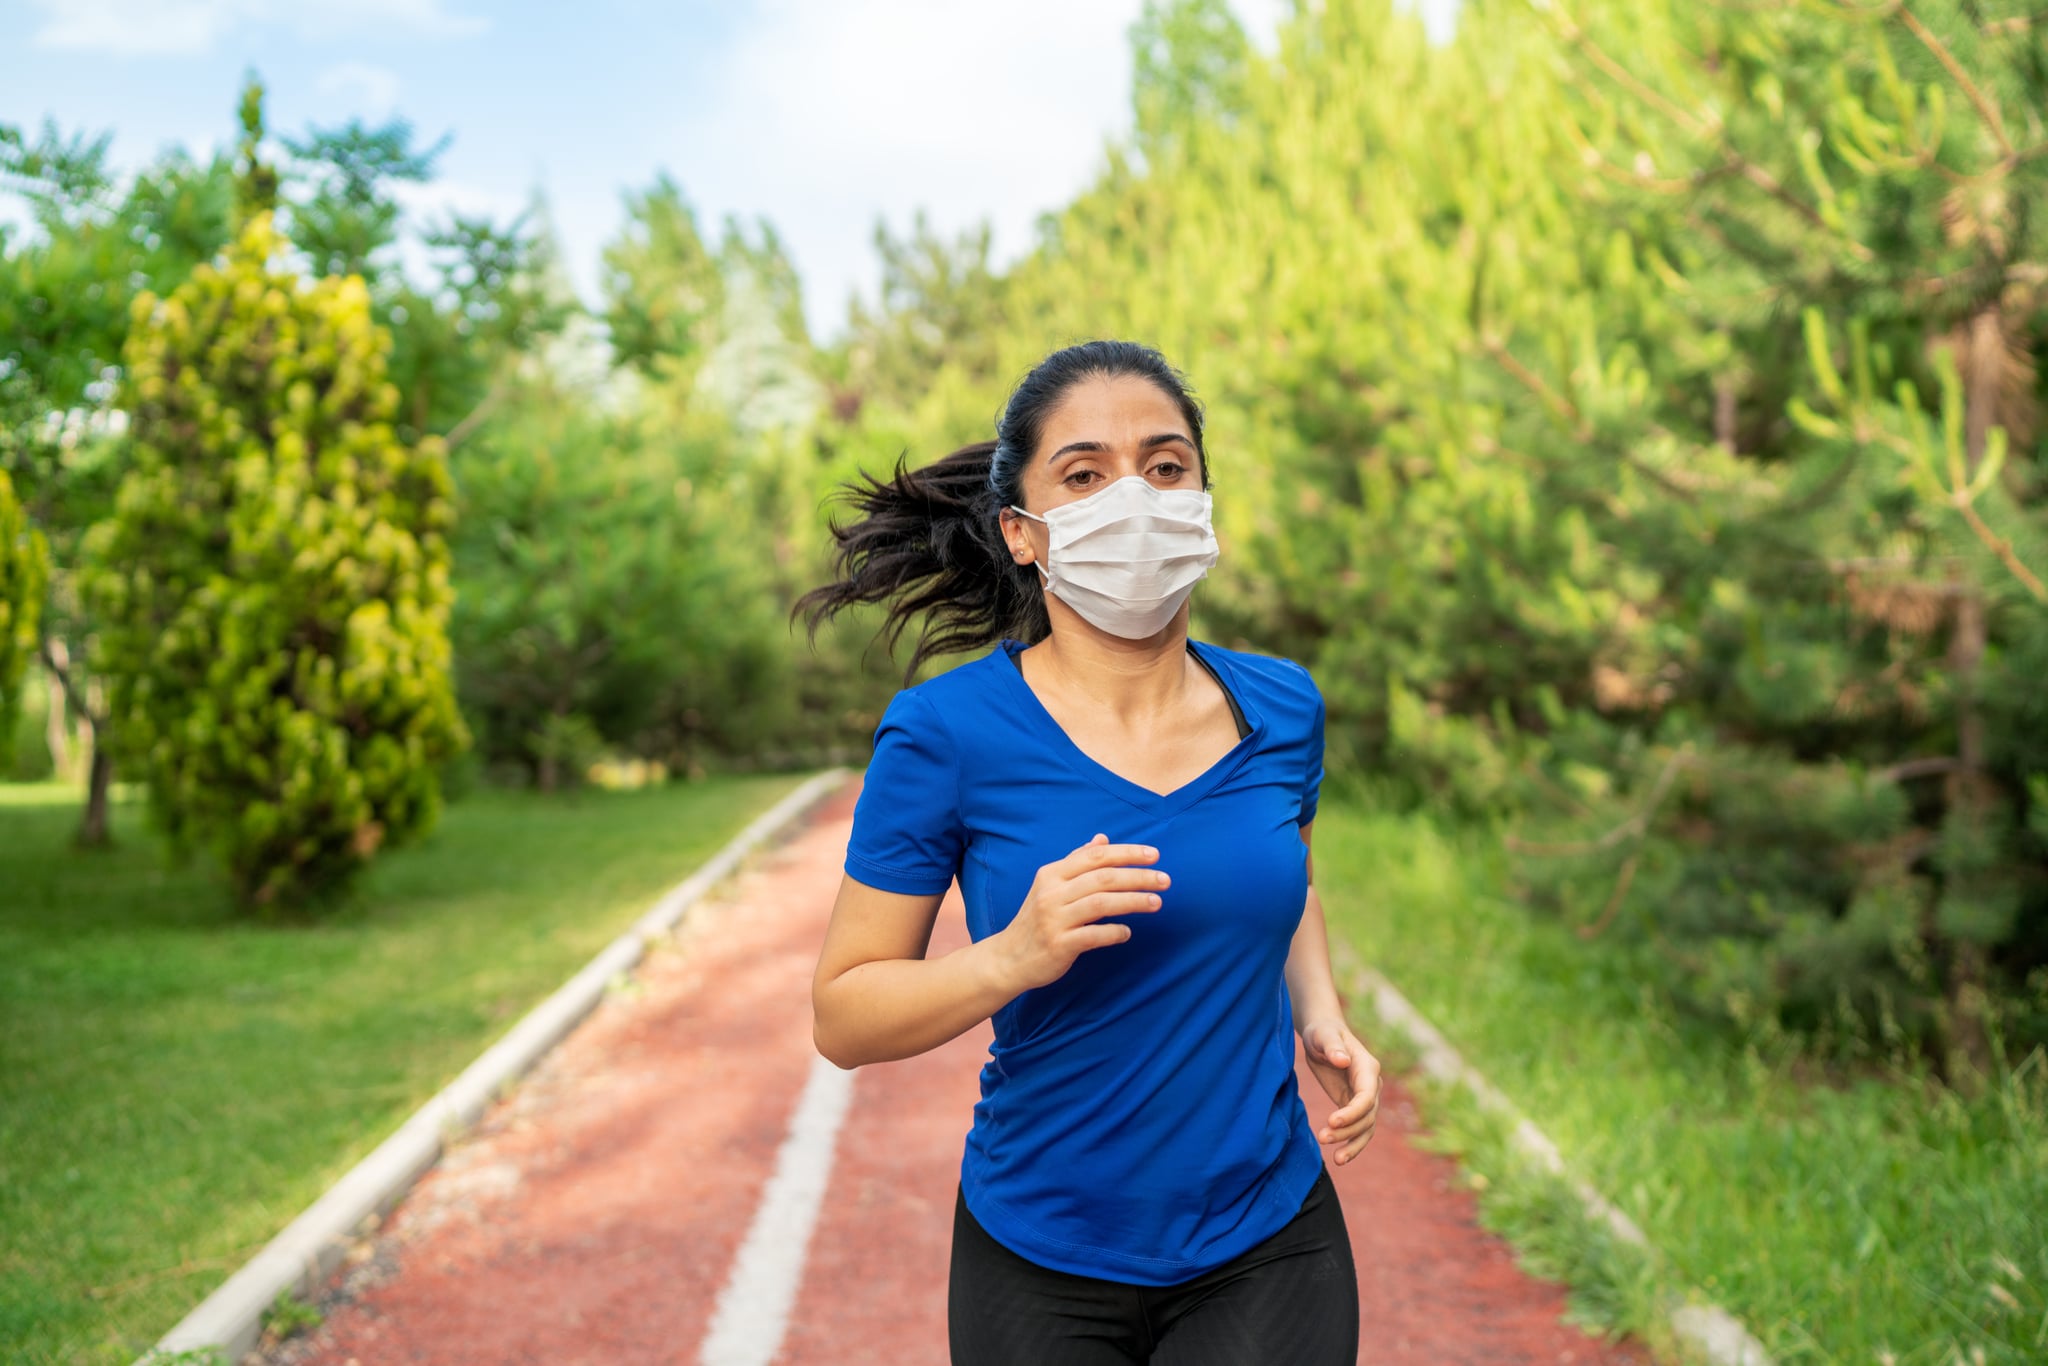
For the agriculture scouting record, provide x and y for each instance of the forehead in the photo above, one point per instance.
(1118, 410)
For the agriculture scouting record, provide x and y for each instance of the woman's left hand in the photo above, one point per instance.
(1351, 1077)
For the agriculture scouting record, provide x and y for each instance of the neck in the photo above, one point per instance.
(1127, 678)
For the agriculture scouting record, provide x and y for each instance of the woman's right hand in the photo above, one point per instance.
(1056, 923)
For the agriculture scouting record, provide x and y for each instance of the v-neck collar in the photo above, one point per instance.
(1138, 795)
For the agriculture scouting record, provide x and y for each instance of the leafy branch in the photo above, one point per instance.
(1939, 467)
(1631, 830)
(1706, 128)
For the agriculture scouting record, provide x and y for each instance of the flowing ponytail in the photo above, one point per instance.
(928, 541)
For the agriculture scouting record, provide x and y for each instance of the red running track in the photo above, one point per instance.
(595, 1215)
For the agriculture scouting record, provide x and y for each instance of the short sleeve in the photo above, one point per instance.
(1312, 781)
(907, 836)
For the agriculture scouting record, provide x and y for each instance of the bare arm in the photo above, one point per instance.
(1348, 1072)
(876, 997)
(1311, 985)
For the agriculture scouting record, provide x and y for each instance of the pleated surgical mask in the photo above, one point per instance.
(1127, 556)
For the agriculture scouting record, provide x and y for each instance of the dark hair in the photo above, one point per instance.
(928, 541)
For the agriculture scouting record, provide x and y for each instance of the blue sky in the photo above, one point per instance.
(822, 115)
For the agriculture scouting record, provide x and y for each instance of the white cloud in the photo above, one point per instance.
(829, 116)
(152, 28)
(133, 27)
(370, 90)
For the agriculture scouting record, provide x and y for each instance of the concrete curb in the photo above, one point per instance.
(1717, 1335)
(230, 1320)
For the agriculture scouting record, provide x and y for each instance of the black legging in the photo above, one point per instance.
(1292, 1300)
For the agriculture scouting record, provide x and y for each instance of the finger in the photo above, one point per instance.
(1338, 1132)
(1351, 1134)
(1344, 1152)
(1358, 1104)
(1092, 908)
(1363, 1102)
(1344, 1041)
(1363, 1098)
(1119, 879)
(1104, 854)
(1335, 1132)
(1350, 1113)
(1363, 1070)
(1099, 936)
(1337, 1080)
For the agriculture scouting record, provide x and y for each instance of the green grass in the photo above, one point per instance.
(1879, 1219)
(177, 1083)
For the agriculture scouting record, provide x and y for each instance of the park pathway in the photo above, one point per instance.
(597, 1214)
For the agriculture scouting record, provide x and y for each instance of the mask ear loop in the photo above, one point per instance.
(1044, 579)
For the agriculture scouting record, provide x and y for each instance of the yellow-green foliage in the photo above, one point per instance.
(273, 581)
(24, 574)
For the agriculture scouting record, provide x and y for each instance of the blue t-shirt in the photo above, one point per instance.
(1139, 1119)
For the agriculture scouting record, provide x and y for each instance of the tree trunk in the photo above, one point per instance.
(89, 709)
(1969, 1045)
(56, 728)
(92, 831)
(1725, 413)
(1978, 353)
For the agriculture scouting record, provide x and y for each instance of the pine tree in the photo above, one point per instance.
(664, 290)
(1837, 201)
(274, 579)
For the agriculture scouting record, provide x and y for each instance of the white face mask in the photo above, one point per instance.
(1127, 556)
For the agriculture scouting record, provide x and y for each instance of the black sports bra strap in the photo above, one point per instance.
(1236, 712)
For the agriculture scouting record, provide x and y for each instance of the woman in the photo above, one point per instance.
(1128, 813)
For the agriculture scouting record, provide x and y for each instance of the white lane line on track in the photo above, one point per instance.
(753, 1309)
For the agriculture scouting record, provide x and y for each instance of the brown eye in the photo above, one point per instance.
(1169, 470)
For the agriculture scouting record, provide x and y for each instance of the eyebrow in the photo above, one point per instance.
(1082, 447)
